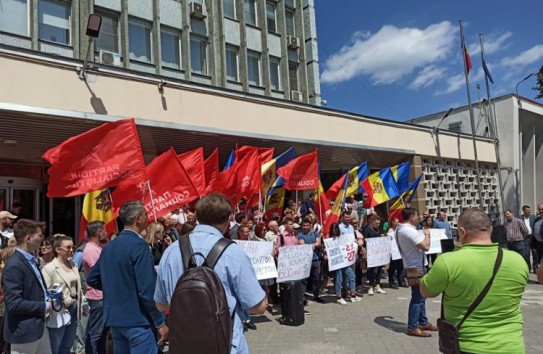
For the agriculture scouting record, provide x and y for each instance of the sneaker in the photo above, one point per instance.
(341, 301)
(370, 291)
(355, 299)
(380, 290)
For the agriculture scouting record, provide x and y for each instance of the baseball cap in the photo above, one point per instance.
(7, 214)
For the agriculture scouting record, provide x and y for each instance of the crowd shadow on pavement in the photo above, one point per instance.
(389, 323)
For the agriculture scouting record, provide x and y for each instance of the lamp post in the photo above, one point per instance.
(516, 88)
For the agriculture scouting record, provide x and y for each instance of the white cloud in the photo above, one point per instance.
(492, 44)
(453, 83)
(427, 76)
(390, 54)
(525, 58)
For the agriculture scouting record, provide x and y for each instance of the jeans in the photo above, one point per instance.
(417, 309)
(520, 248)
(63, 338)
(81, 332)
(314, 280)
(374, 276)
(97, 332)
(134, 340)
(348, 273)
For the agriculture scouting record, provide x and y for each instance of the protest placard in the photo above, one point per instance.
(395, 252)
(435, 236)
(294, 263)
(341, 251)
(260, 253)
(378, 251)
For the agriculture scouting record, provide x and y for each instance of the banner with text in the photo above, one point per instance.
(260, 254)
(395, 252)
(294, 263)
(436, 235)
(378, 251)
(341, 251)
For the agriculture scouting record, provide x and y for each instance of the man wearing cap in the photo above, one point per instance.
(6, 220)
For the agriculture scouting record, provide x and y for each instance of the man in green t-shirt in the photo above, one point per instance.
(495, 326)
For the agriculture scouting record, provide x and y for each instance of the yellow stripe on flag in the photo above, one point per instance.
(97, 206)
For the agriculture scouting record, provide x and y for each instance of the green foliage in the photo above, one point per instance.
(539, 84)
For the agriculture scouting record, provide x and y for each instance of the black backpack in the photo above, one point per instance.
(199, 319)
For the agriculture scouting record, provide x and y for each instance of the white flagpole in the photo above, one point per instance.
(151, 196)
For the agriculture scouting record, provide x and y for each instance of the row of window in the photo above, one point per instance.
(250, 14)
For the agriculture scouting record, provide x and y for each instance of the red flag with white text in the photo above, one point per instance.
(302, 173)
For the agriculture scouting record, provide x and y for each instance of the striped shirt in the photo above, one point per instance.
(516, 230)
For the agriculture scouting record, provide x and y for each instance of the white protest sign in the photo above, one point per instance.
(436, 235)
(294, 263)
(395, 252)
(260, 254)
(341, 251)
(378, 251)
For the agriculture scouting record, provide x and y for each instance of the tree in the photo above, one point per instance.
(539, 85)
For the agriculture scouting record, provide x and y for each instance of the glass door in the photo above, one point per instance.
(3, 199)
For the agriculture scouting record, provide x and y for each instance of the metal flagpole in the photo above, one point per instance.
(494, 131)
(472, 119)
(151, 196)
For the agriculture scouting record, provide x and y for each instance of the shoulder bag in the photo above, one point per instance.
(448, 332)
(413, 274)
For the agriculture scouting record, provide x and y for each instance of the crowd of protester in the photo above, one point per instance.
(89, 309)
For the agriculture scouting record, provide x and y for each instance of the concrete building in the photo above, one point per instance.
(519, 123)
(45, 99)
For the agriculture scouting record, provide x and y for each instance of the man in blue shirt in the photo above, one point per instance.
(441, 223)
(310, 237)
(243, 292)
(345, 227)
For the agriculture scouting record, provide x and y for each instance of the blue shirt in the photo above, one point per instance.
(233, 268)
(346, 230)
(438, 224)
(30, 258)
(310, 239)
(78, 259)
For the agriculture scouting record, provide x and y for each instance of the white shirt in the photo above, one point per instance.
(527, 222)
(408, 238)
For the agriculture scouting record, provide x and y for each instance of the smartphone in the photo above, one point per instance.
(447, 245)
(55, 288)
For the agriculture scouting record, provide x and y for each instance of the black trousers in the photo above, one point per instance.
(395, 270)
(313, 283)
(374, 275)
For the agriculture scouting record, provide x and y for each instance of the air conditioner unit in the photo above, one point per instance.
(197, 10)
(110, 58)
(293, 42)
(296, 95)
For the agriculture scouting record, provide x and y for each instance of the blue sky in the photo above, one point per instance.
(401, 59)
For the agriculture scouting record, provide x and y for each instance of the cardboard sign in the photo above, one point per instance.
(260, 254)
(394, 250)
(436, 235)
(294, 263)
(341, 251)
(378, 251)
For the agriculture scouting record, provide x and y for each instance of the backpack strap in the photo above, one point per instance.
(217, 251)
(187, 254)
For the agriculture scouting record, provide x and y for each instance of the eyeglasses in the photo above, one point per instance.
(68, 248)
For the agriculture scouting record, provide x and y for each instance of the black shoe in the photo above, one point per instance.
(319, 300)
(245, 329)
(250, 325)
(305, 302)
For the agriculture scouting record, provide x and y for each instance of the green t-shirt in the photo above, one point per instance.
(496, 324)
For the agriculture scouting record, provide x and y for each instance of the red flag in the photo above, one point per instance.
(468, 58)
(168, 193)
(265, 154)
(249, 178)
(322, 204)
(94, 160)
(193, 162)
(301, 173)
(253, 201)
(211, 169)
(225, 183)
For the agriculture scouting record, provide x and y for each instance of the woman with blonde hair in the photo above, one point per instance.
(155, 237)
(62, 270)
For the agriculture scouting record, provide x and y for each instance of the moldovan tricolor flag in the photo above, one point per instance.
(380, 187)
(269, 168)
(322, 204)
(356, 175)
(97, 207)
(95, 160)
(211, 169)
(337, 207)
(401, 175)
(168, 193)
(275, 200)
(193, 162)
(302, 173)
(404, 200)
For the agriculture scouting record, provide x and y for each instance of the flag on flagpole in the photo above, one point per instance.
(302, 173)
(264, 154)
(275, 199)
(322, 204)
(487, 72)
(356, 175)
(380, 187)
(97, 159)
(231, 160)
(211, 168)
(404, 200)
(97, 207)
(337, 208)
(467, 58)
(401, 175)
(193, 162)
(269, 168)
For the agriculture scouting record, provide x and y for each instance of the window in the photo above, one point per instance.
(290, 3)
(170, 48)
(232, 63)
(14, 16)
(270, 17)
(54, 21)
(229, 8)
(139, 41)
(198, 55)
(293, 76)
(249, 11)
(289, 22)
(275, 65)
(109, 33)
(253, 68)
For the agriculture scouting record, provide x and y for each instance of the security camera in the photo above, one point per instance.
(161, 85)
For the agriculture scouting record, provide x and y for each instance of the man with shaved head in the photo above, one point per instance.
(495, 325)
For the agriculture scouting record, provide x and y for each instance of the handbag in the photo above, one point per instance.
(449, 332)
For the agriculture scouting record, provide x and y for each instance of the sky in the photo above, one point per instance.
(402, 59)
